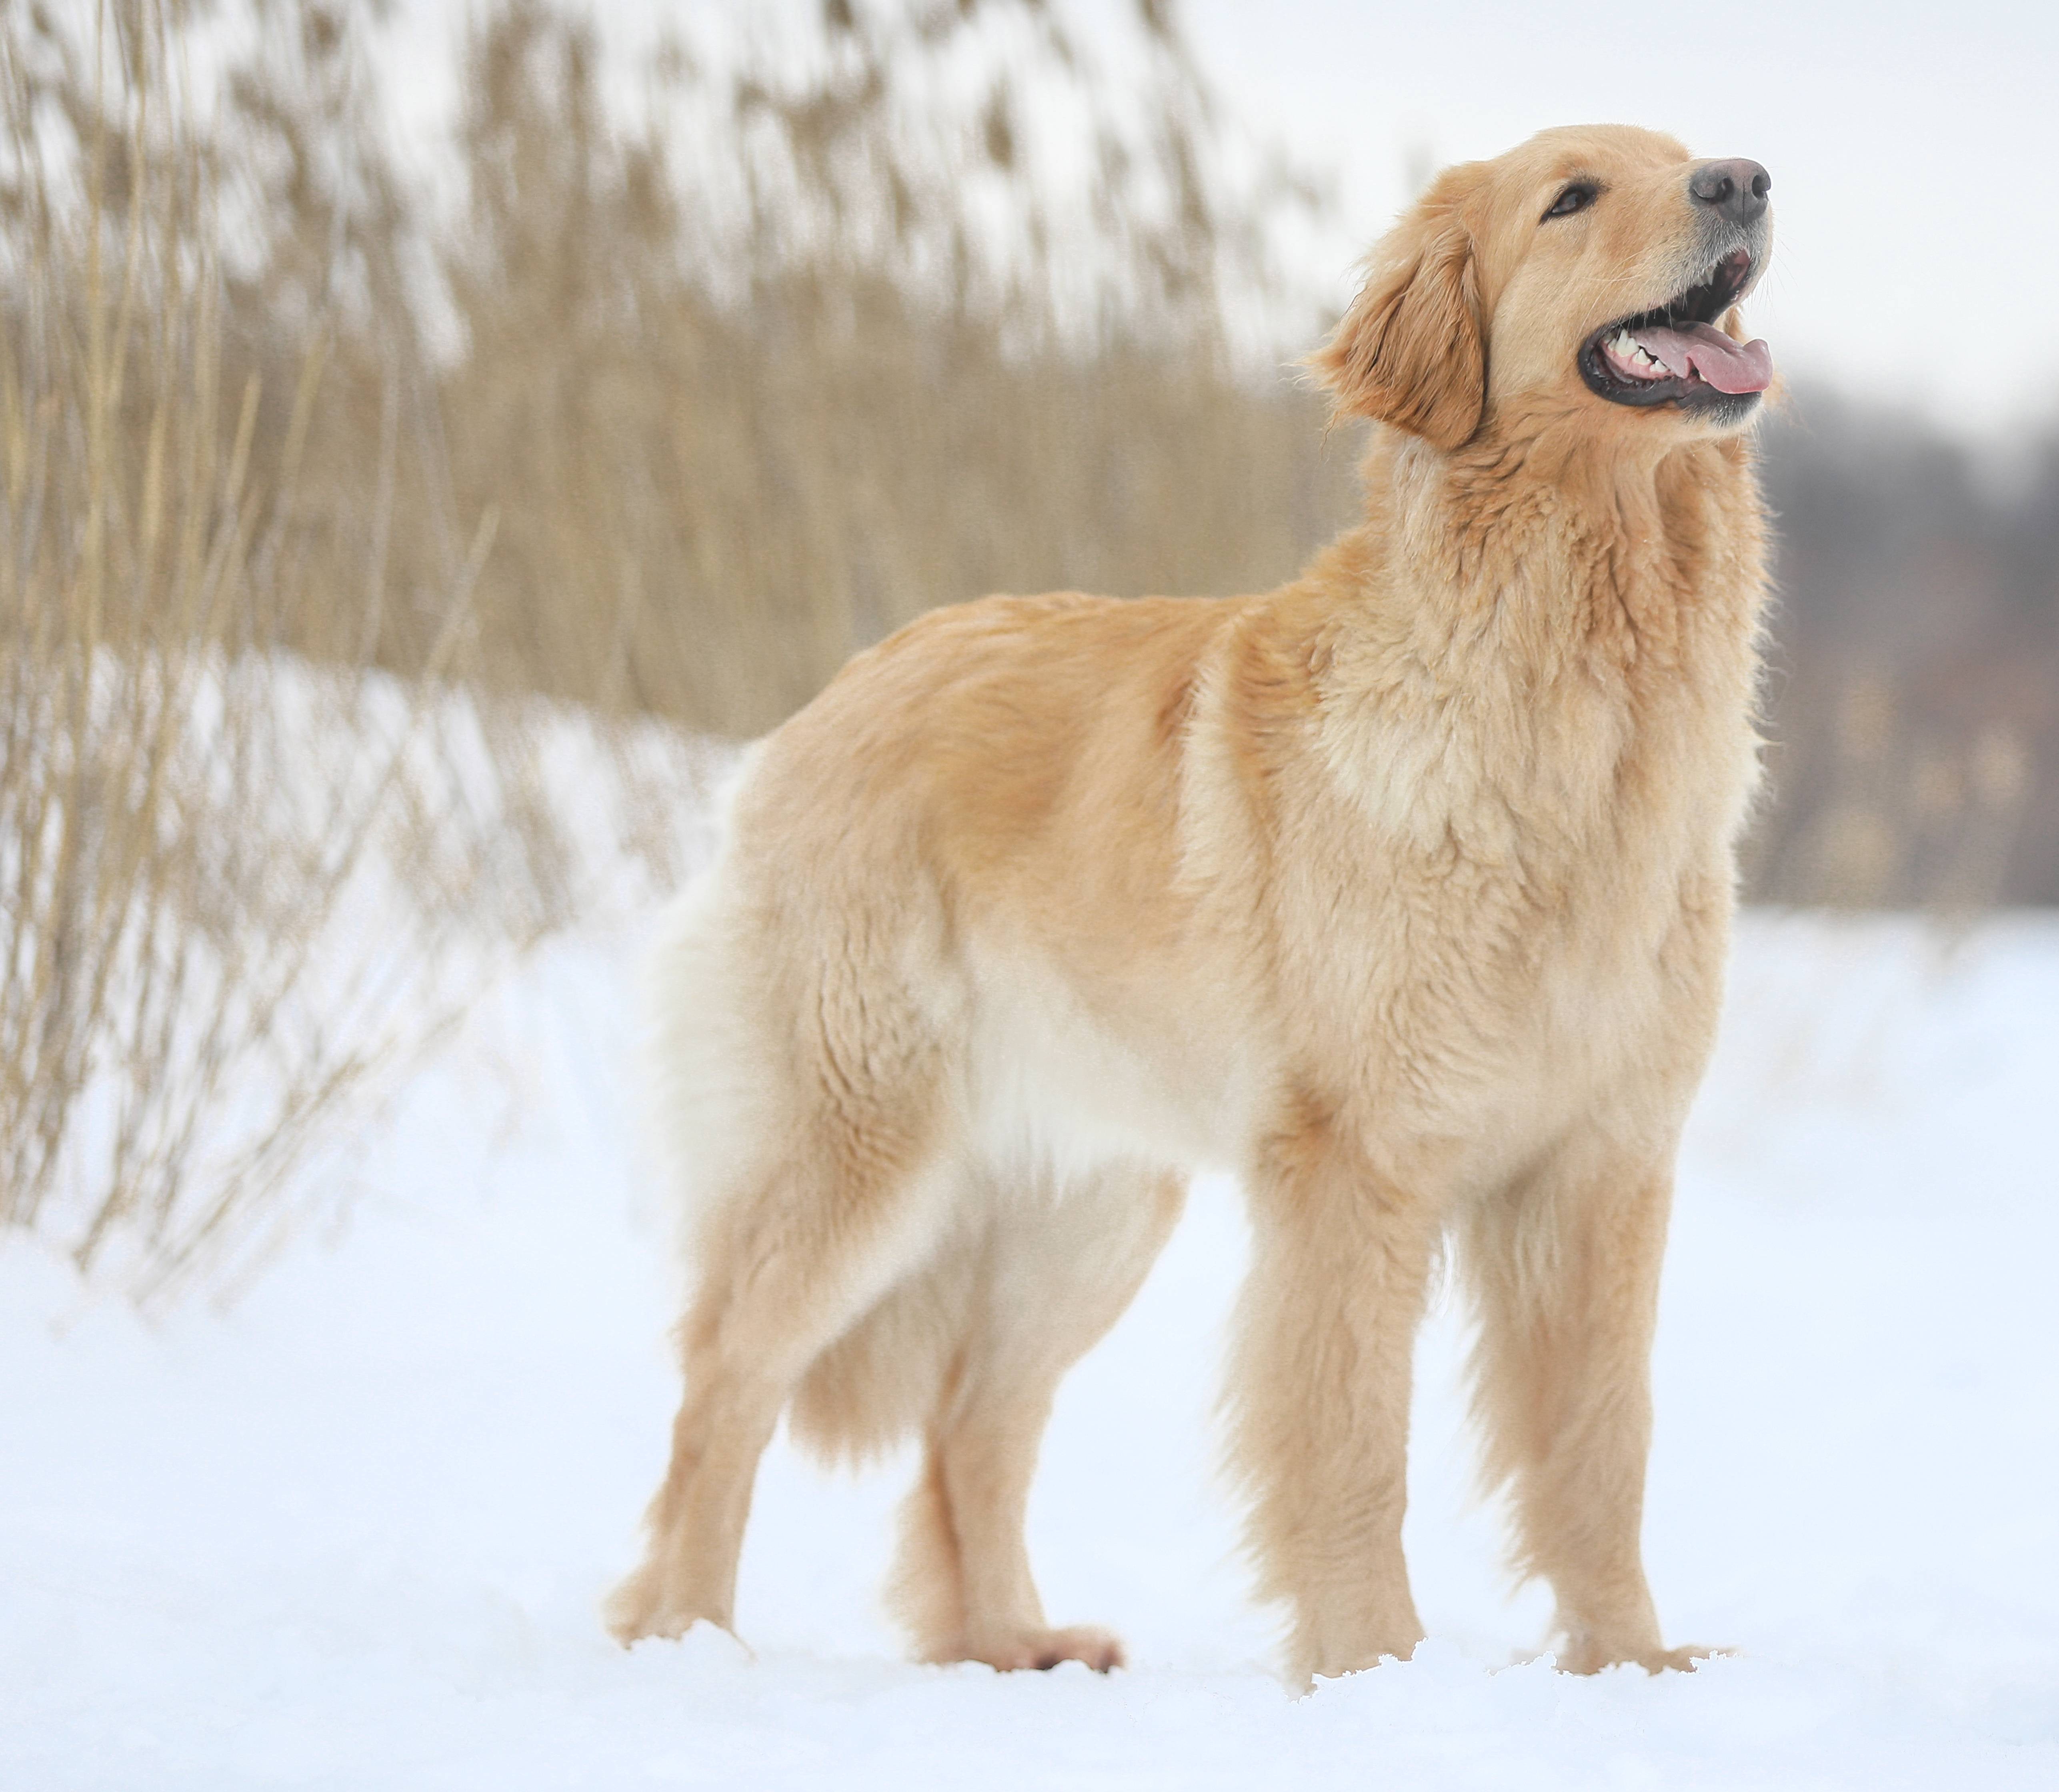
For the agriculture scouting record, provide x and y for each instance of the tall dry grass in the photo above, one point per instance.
(758, 381)
(239, 885)
(1880, 812)
(314, 490)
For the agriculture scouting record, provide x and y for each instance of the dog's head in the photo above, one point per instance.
(1593, 271)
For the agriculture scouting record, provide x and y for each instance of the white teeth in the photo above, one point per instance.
(1632, 353)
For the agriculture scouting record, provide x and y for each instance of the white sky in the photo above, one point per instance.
(1914, 148)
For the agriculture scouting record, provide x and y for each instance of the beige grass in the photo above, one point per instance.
(673, 459)
(193, 826)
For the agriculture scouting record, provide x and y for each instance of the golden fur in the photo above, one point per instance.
(1404, 890)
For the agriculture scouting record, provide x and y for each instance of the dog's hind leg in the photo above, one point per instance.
(1055, 1273)
(786, 1264)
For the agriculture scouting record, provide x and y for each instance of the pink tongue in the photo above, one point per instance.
(1727, 366)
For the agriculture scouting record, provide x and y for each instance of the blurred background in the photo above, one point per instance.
(428, 430)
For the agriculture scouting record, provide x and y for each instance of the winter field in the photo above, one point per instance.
(353, 1531)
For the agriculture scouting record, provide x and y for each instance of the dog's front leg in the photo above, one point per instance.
(1319, 1391)
(1564, 1268)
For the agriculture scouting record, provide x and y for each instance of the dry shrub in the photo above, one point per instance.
(240, 887)
(316, 499)
(1882, 813)
(804, 355)
(1916, 738)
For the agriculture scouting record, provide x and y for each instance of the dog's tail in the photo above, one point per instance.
(885, 1378)
(710, 1085)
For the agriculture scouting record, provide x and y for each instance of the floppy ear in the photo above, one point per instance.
(1409, 352)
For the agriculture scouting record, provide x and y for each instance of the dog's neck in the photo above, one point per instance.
(1645, 560)
(1533, 621)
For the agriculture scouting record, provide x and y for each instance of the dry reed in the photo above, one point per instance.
(207, 966)
(759, 383)
(1891, 815)
(281, 587)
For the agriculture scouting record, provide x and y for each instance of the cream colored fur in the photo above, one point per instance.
(1403, 891)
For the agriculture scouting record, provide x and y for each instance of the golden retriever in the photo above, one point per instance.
(1402, 891)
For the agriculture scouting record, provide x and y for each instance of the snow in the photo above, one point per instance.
(353, 1531)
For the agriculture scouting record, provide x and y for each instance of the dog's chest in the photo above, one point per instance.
(1537, 919)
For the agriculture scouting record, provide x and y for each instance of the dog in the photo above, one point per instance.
(1402, 891)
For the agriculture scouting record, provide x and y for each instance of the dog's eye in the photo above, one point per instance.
(1577, 197)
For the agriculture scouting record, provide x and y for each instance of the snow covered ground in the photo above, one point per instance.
(352, 1532)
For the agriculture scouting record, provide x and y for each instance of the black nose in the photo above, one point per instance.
(1736, 187)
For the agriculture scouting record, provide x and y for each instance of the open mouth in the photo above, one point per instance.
(1675, 353)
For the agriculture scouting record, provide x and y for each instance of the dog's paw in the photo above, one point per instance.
(639, 1608)
(1591, 1655)
(1045, 1648)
